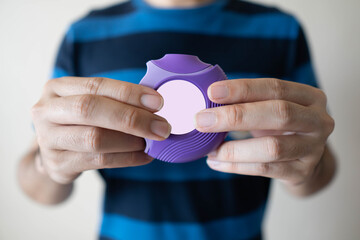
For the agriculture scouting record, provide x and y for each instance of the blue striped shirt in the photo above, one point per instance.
(184, 201)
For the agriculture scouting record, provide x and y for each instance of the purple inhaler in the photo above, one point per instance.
(190, 78)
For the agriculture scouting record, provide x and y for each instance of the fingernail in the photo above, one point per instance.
(213, 163)
(205, 119)
(219, 92)
(160, 128)
(151, 101)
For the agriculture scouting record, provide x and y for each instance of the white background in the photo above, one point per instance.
(30, 33)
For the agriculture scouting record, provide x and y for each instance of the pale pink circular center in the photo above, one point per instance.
(182, 100)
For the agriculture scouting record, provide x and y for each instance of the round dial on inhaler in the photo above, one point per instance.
(183, 81)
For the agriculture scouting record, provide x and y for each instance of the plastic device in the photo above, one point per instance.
(183, 81)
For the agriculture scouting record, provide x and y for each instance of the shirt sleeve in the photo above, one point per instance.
(65, 63)
(302, 70)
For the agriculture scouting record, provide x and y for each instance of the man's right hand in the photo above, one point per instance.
(94, 123)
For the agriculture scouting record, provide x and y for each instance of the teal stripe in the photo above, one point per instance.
(136, 74)
(242, 227)
(58, 72)
(274, 25)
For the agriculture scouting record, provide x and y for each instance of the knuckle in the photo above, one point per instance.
(94, 84)
(132, 159)
(283, 111)
(52, 84)
(278, 88)
(53, 164)
(262, 168)
(101, 160)
(282, 171)
(274, 148)
(55, 167)
(234, 115)
(42, 141)
(330, 124)
(125, 92)
(134, 156)
(326, 125)
(245, 90)
(321, 96)
(84, 106)
(130, 118)
(60, 178)
(49, 84)
(232, 167)
(36, 110)
(229, 152)
(306, 171)
(93, 139)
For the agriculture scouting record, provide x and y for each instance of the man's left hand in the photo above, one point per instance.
(288, 120)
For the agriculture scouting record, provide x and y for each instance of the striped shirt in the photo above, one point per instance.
(184, 201)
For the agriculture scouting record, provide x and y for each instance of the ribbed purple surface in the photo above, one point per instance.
(181, 151)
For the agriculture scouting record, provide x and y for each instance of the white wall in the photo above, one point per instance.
(30, 34)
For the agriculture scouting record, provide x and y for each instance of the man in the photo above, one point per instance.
(91, 120)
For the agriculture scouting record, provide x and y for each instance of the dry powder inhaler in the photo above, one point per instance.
(183, 81)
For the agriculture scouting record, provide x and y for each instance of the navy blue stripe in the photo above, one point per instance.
(275, 25)
(245, 7)
(302, 53)
(247, 226)
(201, 201)
(118, 9)
(257, 237)
(65, 59)
(105, 238)
(233, 55)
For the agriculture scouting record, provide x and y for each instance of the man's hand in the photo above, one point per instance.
(289, 121)
(94, 123)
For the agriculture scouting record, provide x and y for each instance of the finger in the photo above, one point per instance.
(264, 149)
(67, 163)
(266, 115)
(106, 113)
(262, 89)
(130, 93)
(92, 139)
(291, 171)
